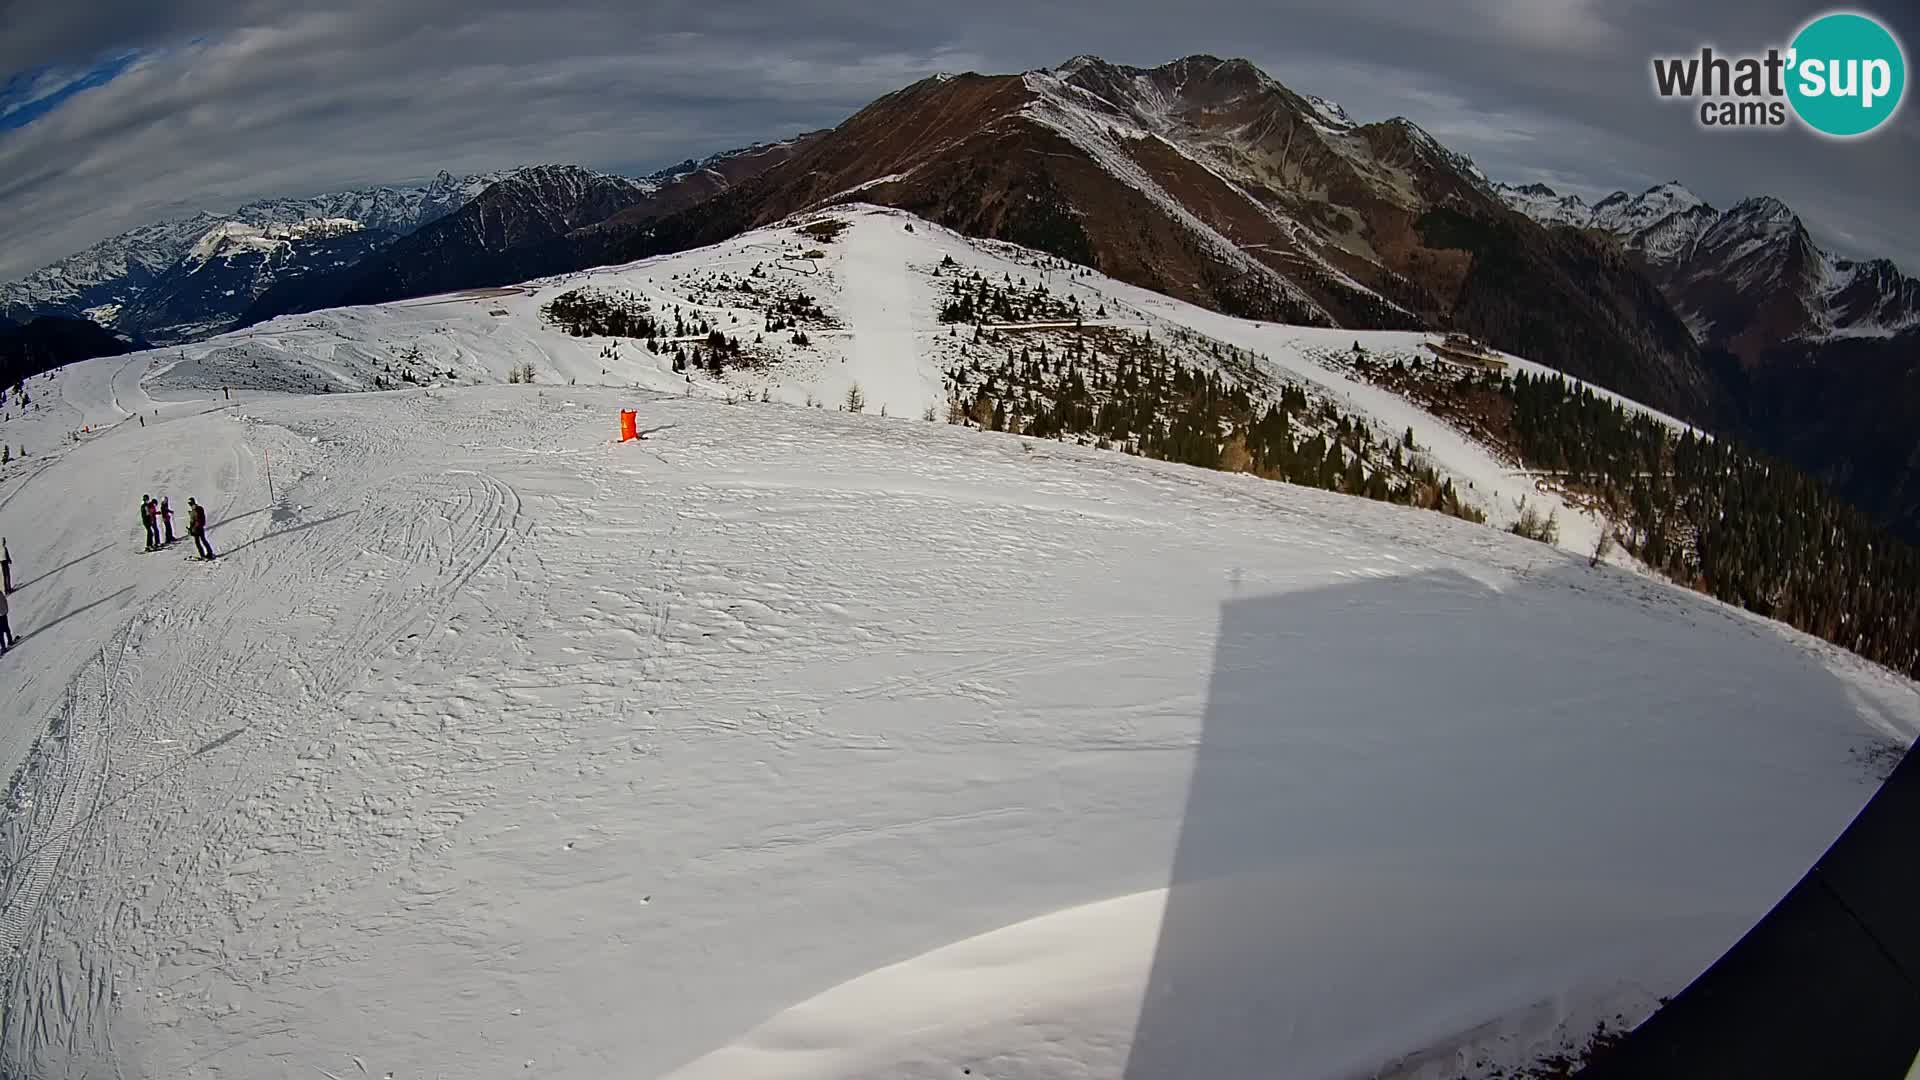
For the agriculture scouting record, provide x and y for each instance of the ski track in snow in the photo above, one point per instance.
(787, 743)
(882, 300)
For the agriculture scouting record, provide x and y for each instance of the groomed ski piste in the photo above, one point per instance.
(791, 743)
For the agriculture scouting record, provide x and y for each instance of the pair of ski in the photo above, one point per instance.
(190, 558)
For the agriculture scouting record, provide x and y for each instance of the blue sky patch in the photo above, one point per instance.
(29, 95)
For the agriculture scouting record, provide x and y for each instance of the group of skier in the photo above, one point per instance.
(157, 517)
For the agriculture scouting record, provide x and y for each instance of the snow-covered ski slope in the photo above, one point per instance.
(789, 743)
(880, 283)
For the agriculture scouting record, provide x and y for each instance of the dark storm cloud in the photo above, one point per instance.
(227, 100)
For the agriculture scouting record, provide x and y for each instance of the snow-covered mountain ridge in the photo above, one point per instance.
(115, 269)
(234, 237)
(1721, 269)
(127, 281)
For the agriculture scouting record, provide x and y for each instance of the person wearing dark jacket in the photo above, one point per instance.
(166, 518)
(146, 520)
(6, 568)
(197, 528)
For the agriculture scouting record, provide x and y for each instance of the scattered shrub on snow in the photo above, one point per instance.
(1604, 545)
(824, 230)
(1533, 526)
(1235, 457)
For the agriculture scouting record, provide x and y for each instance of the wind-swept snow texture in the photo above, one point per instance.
(788, 743)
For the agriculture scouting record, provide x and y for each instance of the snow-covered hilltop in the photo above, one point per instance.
(805, 319)
(793, 743)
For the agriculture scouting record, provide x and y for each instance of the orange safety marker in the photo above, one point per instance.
(629, 424)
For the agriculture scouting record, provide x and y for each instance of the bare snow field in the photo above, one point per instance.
(791, 743)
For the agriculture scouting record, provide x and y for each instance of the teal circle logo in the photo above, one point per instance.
(1847, 74)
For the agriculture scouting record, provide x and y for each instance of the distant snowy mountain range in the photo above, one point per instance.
(192, 277)
(186, 277)
(1745, 278)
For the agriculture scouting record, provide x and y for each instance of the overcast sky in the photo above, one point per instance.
(114, 113)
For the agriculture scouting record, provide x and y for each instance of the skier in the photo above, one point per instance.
(146, 522)
(6, 631)
(6, 568)
(197, 528)
(166, 518)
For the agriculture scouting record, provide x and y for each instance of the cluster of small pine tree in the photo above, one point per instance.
(974, 298)
(1749, 530)
(790, 312)
(588, 312)
(721, 352)
(826, 230)
(1706, 512)
(387, 379)
(1144, 402)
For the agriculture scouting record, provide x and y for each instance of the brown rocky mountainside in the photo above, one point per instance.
(693, 182)
(1209, 181)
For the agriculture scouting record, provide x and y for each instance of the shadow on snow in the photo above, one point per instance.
(1358, 879)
